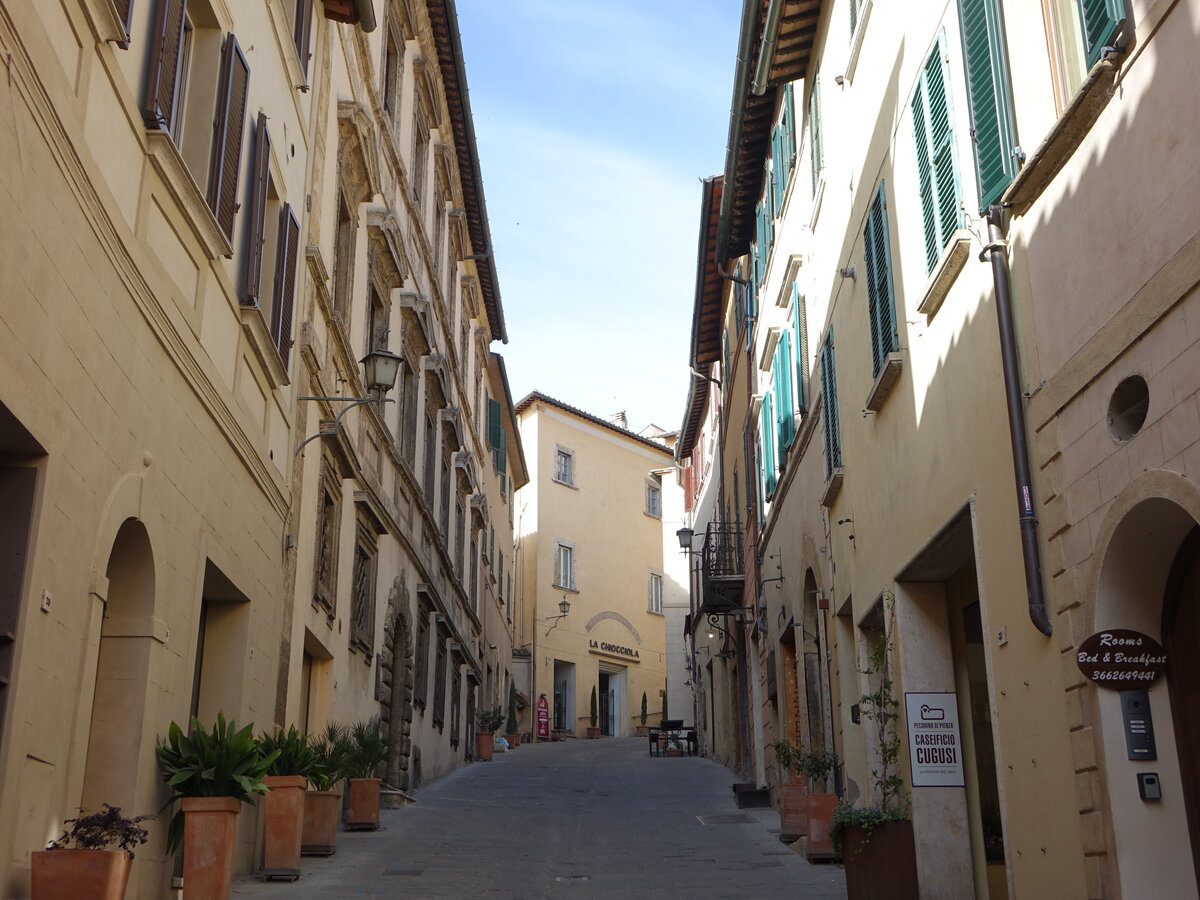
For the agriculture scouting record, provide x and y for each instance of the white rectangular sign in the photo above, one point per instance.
(935, 751)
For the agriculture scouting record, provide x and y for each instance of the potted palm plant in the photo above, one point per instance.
(593, 730)
(91, 858)
(488, 721)
(322, 804)
(283, 806)
(213, 773)
(511, 734)
(368, 750)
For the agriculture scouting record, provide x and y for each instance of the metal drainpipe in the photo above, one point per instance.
(997, 252)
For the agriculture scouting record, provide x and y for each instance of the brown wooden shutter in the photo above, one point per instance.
(302, 33)
(252, 263)
(165, 42)
(285, 281)
(228, 126)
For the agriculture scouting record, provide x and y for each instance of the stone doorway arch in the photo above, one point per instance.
(396, 683)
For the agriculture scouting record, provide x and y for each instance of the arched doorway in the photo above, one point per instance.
(396, 684)
(128, 637)
(1181, 638)
(1146, 573)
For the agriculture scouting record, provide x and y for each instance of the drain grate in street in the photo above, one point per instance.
(409, 872)
(572, 879)
(726, 819)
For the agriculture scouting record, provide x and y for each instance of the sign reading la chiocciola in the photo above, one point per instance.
(1121, 659)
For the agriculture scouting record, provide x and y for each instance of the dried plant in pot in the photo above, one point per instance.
(91, 858)
(368, 751)
(212, 773)
(283, 805)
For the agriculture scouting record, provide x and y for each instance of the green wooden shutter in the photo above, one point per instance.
(833, 439)
(881, 305)
(768, 445)
(800, 326)
(495, 432)
(1100, 21)
(937, 167)
(853, 17)
(814, 132)
(992, 127)
(785, 414)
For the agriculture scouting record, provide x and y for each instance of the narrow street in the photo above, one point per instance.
(572, 819)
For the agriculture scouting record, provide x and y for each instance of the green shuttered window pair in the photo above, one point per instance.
(496, 437)
(881, 305)
(989, 97)
(785, 414)
(937, 166)
(767, 445)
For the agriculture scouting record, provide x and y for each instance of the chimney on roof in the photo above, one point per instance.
(620, 420)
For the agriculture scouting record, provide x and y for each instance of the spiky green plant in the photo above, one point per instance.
(296, 755)
(369, 748)
(224, 762)
(332, 747)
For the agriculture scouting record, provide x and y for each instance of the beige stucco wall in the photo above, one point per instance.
(617, 547)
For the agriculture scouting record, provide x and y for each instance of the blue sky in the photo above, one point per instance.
(596, 121)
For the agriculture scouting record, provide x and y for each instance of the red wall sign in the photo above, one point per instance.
(543, 717)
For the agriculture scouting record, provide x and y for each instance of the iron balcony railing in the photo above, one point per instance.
(722, 567)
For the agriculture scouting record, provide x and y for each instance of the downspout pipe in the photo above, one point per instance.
(365, 11)
(997, 253)
(766, 52)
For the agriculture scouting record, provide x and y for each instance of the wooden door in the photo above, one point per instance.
(1181, 639)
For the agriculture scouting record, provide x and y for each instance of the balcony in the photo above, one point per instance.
(722, 574)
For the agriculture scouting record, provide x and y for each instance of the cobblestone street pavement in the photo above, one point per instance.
(576, 819)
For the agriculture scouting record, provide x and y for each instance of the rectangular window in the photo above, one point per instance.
(564, 566)
(800, 330)
(328, 521)
(302, 32)
(993, 131)
(377, 322)
(564, 466)
(937, 168)
(362, 601)
(455, 703)
(496, 440)
(420, 157)
(815, 153)
(343, 258)
(833, 438)
(439, 680)
(655, 602)
(473, 585)
(654, 500)
(881, 303)
(392, 73)
(421, 659)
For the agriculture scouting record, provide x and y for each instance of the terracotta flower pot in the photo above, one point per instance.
(319, 835)
(283, 825)
(514, 740)
(362, 812)
(881, 862)
(793, 810)
(98, 874)
(819, 814)
(593, 732)
(483, 744)
(209, 833)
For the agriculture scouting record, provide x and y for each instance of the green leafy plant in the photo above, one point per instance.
(593, 715)
(332, 748)
(224, 762)
(103, 830)
(788, 756)
(645, 711)
(296, 755)
(511, 725)
(817, 765)
(368, 749)
(846, 815)
(489, 719)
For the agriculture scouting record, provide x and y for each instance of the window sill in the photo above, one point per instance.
(1064, 138)
(885, 381)
(833, 487)
(567, 484)
(255, 328)
(654, 612)
(563, 587)
(649, 515)
(954, 257)
(165, 158)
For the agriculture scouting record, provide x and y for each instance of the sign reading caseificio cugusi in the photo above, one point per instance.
(1121, 659)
